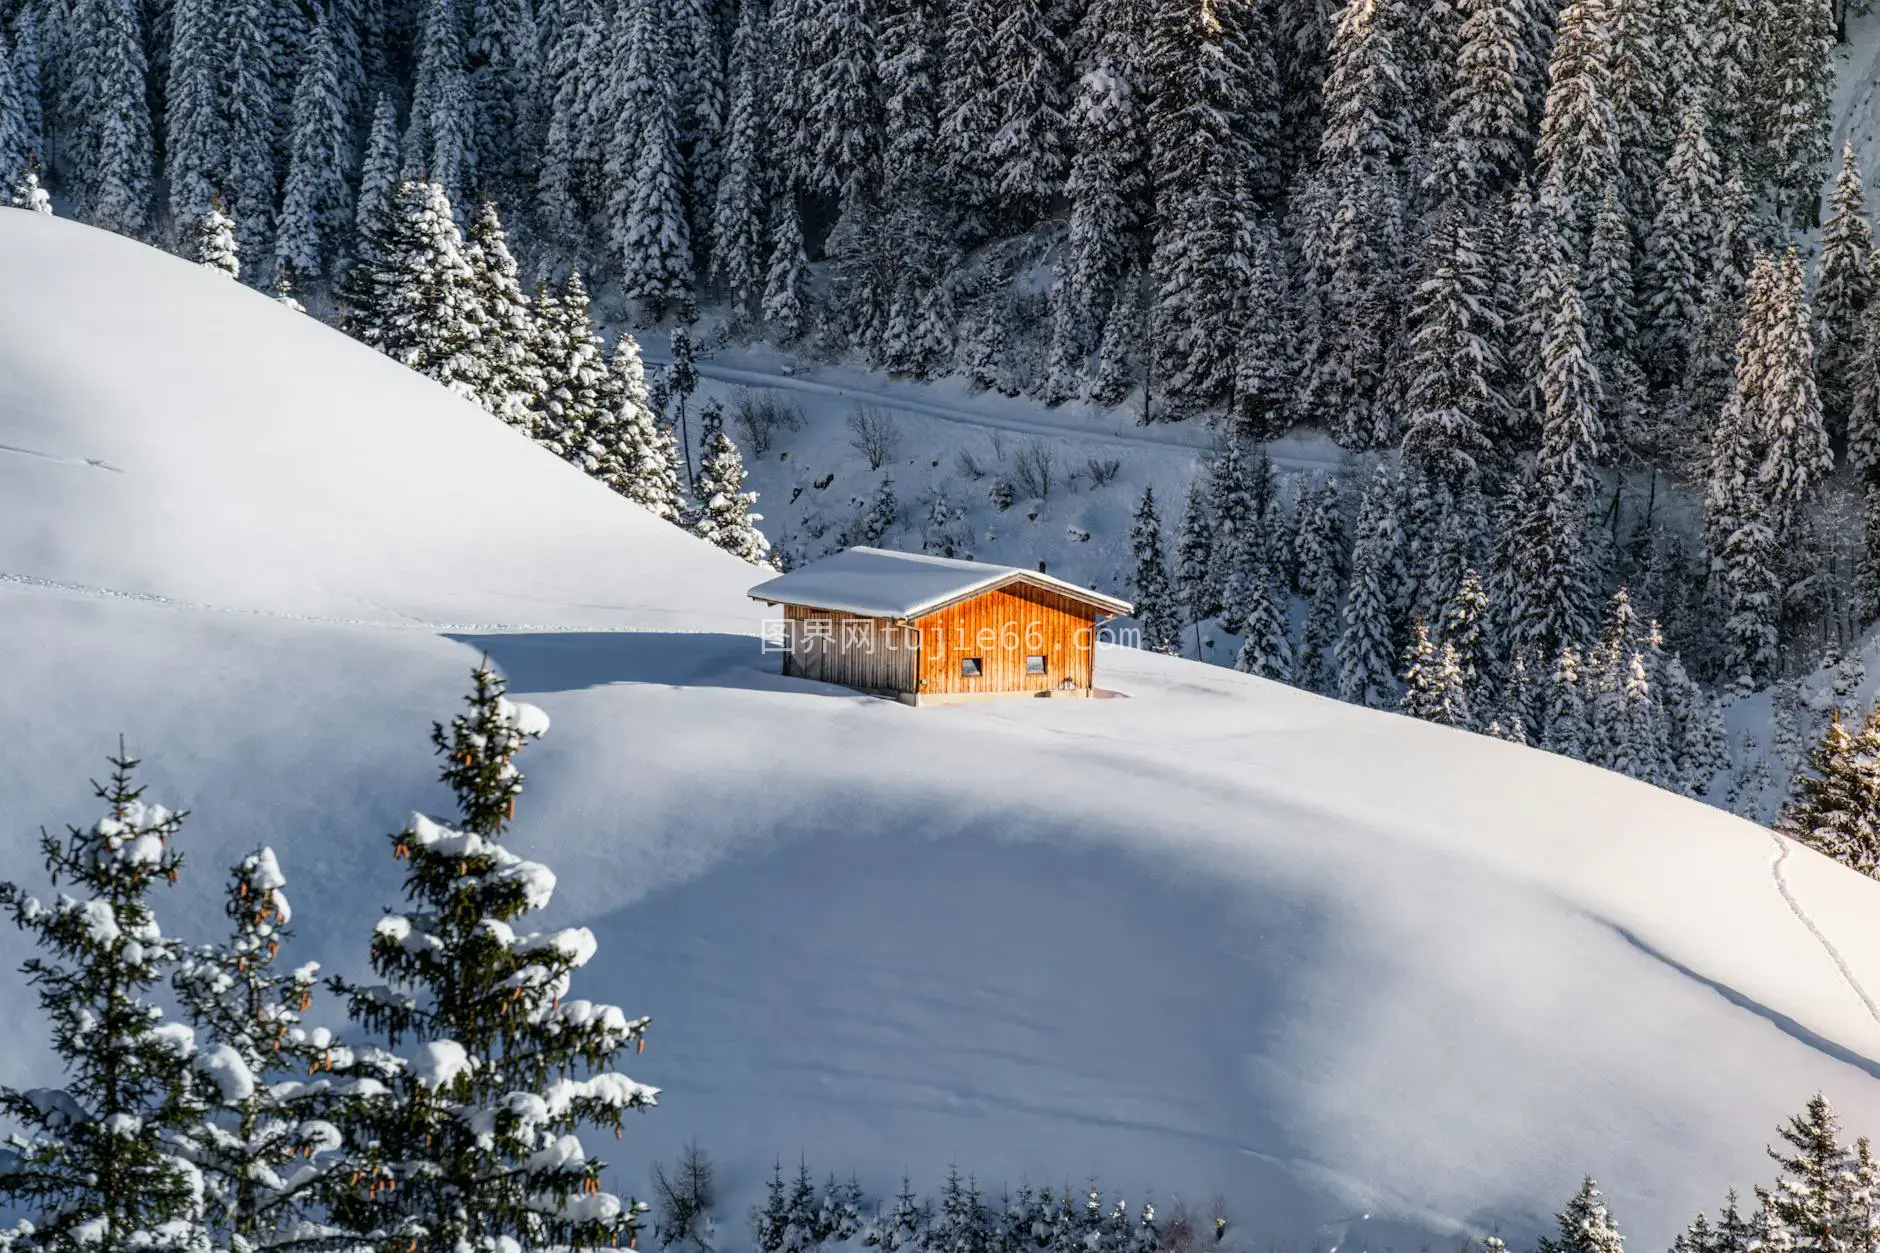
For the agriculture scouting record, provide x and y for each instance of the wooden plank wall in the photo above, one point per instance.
(1002, 628)
(872, 654)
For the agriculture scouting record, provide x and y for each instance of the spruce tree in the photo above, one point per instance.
(96, 1163)
(646, 208)
(503, 64)
(512, 378)
(724, 516)
(1836, 810)
(787, 279)
(1566, 728)
(411, 294)
(1320, 550)
(193, 131)
(24, 192)
(1366, 673)
(1194, 549)
(1257, 603)
(1466, 629)
(1578, 140)
(108, 146)
(1454, 361)
(249, 178)
(1434, 687)
(648, 457)
(968, 123)
(1795, 105)
(1156, 608)
(842, 121)
(1843, 290)
(1486, 129)
(313, 205)
(378, 174)
(212, 243)
(495, 1069)
(1585, 1225)
(1810, 1201)
(439, 141)
(576, 393)
(246, 1008)
(738, 250)
(1108, 178)
(1679, 248)
(1548, 602)
(1028, 152)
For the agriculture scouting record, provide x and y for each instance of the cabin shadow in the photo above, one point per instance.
(569, 661)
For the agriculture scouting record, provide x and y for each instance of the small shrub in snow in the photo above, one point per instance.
(1103, 470)
(684, 1199)
(1035, 469)
(759, 415)
(969, 465)
(876, 435)
(1003, 495)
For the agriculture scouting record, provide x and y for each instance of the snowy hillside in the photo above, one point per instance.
(1372, 979)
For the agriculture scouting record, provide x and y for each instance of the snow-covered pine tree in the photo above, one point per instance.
(1566, 730)
(378, 173)
(1466, 629)
(1579, 144)
(1768, 455)
(503, 61)
(512, 377)
(649, 469)
(1486, 130)
(1585, 1225)
(575, 65)
(411, 293)
(787, 280)
(313, 205)
(29, 81)
(1843, 290)
(1434, 687)
(107, 150)
(24, 191)
(212, 242)
(249, 178)
(1356, 243)
(1156, 607)
(498, 1069)
(1810, 1203)
(1612, 332)
(1194, 549)
(842, 121)
(1454, 361)
(875, 519)
(95, 1162)
(724, 514)
(968, 124)
(1319, 549)
(246, 1009)
(1641, 95)
(1108, 179)
(440, 141)
(1836, 810)
(1233, 512)
(738, 249)
(192, 123)
(646, 204)
(1366, 673)
(1257, 603)
(1548, 601)
(1517, 716)
(576, 393)
(1794, 110)
(1678, 250)
(1030, 66)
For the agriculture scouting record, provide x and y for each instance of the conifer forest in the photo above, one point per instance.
(1560, 280)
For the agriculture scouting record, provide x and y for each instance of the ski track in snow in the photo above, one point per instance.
(409, 624)
(1183, 438)
(1795, 907)
(92, 463)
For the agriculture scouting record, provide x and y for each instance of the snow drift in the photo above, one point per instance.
(1372, 979)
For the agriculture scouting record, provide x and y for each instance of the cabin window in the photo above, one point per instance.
(1034, 665)
(969, 667)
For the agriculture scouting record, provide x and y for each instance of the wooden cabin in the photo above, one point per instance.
(930, 630)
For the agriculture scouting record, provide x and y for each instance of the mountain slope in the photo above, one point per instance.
(1372, 979)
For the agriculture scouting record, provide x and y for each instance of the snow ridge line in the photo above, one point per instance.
(1795, 907)
(439, 628)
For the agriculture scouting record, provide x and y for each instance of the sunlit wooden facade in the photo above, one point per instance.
(985, 631)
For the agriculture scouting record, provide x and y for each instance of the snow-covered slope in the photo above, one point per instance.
(1220, 935)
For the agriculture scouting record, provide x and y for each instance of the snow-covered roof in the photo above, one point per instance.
(877, 583)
